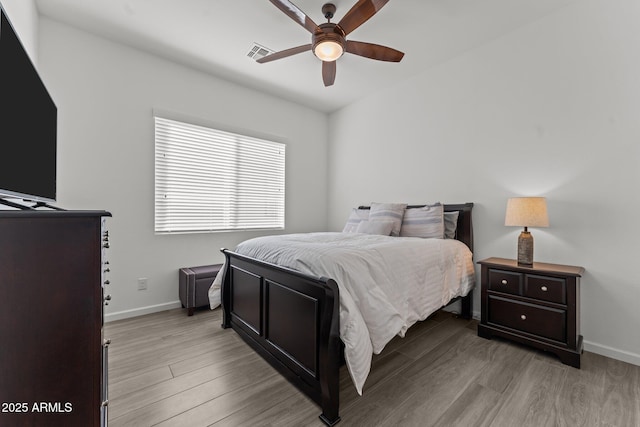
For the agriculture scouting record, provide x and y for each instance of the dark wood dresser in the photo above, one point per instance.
(53, 356)
(538, 306)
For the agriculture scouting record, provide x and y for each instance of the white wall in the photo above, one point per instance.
(23, 15)
(552, 110)
(105, 93)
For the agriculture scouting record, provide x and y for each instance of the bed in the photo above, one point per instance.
(300, 300)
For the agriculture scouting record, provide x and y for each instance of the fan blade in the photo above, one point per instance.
(374, 51)
(328, 72)
(284, 53)
(292, 11)
(360, 13)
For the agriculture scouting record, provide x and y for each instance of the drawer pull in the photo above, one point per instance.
(544, 289)
(504, 281)
(523, 317)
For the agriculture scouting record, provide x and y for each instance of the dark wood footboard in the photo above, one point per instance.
(291, 320)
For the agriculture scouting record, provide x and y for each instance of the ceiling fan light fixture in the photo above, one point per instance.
(328, 50)
(328, 40)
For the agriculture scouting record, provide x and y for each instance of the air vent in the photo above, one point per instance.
(258, 51)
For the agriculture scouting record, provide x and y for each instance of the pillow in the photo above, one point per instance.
(450, 224)
(354, 219)
(426, 221)
(375, 227)
(388, 212)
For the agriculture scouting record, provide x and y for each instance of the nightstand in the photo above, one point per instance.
(538, 306)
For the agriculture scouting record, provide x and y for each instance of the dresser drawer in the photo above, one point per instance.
(534, 319)
(505, 281)
(545, 288)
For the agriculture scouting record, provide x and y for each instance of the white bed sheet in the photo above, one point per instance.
(386, 283)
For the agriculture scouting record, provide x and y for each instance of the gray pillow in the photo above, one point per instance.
(426, 222)
(354, 219)
(388, 212)
(450, 224)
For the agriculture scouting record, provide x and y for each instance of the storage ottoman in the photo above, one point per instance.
(194, 285)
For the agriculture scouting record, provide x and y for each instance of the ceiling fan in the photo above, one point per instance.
(328, 41)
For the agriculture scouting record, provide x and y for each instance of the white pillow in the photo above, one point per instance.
(388, 212)
(450, 224)
(425, 222)
(354, 219)
(375, 227)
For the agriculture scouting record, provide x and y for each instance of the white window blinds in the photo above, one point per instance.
(211, 180)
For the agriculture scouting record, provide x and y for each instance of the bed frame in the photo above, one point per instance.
(292, 319)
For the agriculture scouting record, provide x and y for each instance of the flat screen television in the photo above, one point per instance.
(28, 124)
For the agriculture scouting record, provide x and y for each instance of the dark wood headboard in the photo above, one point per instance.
(464, 231)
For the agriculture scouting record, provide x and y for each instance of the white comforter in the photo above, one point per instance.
(386, 283)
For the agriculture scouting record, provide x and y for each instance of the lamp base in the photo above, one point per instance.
(525, 249)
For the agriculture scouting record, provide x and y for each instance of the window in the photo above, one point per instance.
(212, 180)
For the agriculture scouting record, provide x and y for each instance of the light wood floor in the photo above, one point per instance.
(169, 369)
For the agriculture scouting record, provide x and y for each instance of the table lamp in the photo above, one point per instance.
(526, 212)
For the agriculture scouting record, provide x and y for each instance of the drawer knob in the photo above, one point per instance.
(544, 289)
(504, 281)
(523, 317)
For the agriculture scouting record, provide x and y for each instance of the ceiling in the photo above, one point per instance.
(215, 36)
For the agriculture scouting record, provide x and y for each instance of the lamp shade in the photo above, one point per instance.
(527, 212)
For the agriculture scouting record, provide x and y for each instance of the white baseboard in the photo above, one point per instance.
(119, 315)
(613, 353)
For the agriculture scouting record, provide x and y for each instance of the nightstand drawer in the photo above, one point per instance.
(545, 288)
(534, 319)
(505, 281)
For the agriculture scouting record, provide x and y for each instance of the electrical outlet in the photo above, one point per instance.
(142, 284)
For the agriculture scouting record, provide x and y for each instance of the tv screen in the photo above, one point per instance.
(28, 124)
